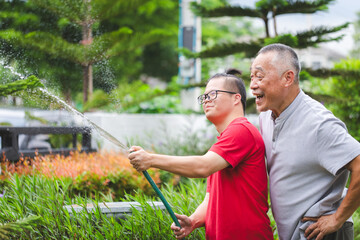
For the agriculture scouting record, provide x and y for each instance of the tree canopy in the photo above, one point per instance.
(265, 10)
(62, 37)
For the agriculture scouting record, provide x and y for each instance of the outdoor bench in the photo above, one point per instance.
(11, 150)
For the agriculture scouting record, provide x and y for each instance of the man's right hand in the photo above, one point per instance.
(186, 226)
(139, 158)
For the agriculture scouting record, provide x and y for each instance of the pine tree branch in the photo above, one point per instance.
(19, 19)
(231, 11)
(131, 42)
(70, 9)
(249, 49)
(325, 73)
(45, 42)
(20, 85)
(312, 37)
(305, 7)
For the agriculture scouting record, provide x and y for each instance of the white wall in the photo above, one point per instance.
(126, 128)
(129, 128)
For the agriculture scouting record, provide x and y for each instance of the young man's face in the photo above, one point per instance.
(217, 109)
(266, 82)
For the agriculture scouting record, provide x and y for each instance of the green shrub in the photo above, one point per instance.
(356, 219)
(347, 90)
(40, 196)
(90, 173)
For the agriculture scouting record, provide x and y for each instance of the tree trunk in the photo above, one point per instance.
(87, 67)
(87, 82)
(266, 22)
(67, 94)
(274, 19)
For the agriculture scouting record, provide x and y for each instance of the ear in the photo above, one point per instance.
(289, 77)
(237, 99)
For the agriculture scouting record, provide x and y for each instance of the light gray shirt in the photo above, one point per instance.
(307, 148)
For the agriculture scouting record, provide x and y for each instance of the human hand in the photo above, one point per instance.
(322, 226)
(139, 158)
(186, 226)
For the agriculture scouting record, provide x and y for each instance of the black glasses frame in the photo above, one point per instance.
(211, 96)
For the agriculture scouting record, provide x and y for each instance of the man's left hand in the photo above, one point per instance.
(323, 226)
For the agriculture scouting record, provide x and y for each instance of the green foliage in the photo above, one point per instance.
(356, 219)
(97, 100)
(160, 104)
(190, 142)
(287, 39)
(318, 35)
(155, 224)
(49, 41)
(14, 228)
(138, 97)
(29, 116)
(26, 196)
(35, 195)
(261, 10)
(347, 89)
(355, 52)
(20, 85)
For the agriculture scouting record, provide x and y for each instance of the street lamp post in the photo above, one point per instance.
(190, 38)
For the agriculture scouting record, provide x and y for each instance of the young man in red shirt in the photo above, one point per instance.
(235, 204)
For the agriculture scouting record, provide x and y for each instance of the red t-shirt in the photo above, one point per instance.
(238, 205)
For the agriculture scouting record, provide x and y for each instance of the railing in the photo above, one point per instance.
(10, 141)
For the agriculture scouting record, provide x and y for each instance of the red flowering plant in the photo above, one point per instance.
(91, 173)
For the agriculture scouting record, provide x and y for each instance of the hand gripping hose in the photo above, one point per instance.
(162, 198)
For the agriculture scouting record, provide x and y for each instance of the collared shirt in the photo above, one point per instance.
(307, 148)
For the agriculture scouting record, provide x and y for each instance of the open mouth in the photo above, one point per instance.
(258, 97)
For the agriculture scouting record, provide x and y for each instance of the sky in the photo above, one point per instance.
(339, 12)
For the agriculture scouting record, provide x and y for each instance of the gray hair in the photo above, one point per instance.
(285, 53)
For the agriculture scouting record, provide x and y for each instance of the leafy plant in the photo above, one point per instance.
(20, 85)
(12, 228)
(90, 173)
(346, 88)
(26, 195)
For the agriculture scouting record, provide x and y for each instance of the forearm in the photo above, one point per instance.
(198, 217)
(352, 199)
(187, 166)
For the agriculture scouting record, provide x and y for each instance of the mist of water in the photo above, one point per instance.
(72, 110)
(12, 70)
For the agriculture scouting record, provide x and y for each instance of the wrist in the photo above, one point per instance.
(339, 219)
(196, 222)
(151, 160)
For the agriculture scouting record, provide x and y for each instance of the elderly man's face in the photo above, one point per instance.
(266, 82)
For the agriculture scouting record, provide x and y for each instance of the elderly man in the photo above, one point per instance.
(309, 152)
(235, 204)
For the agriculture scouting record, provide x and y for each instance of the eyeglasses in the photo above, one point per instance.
(211, 96)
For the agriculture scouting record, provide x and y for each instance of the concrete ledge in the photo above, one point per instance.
(113, 209)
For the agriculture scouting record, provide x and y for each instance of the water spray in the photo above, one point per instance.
(36, 83)
(108, 136)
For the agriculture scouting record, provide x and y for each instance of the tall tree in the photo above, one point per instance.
(355, 52)
(262, 10)
(86, 46)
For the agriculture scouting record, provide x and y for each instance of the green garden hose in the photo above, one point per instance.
(162, 198)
